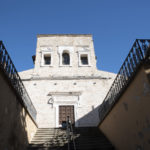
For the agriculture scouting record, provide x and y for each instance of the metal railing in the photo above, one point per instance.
(138, 53)
(7, 66)
(70, 134)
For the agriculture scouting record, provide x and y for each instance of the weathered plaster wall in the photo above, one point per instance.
(127, 126)
(92, 93)
(16, 126)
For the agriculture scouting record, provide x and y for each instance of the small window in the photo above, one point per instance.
(84, 59)
(65, 59)
(47, 59)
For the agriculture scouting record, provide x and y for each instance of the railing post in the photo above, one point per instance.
(139, 50)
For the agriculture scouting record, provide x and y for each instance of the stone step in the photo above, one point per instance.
(81, 146)
(37, 140)
(51, 130)
(64, 137)
(53, 135)
(56, 139)
(49, 133)
(45, 136)
(44, 141)
(48, 137)
(47, 143)
(50, 142)
(77, 148)
(77, 144)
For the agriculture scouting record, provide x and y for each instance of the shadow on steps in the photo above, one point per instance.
(86, 138)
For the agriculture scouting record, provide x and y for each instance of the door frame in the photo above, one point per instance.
(57, 114)
(72, 107)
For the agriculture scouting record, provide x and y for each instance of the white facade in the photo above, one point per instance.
(52, 83)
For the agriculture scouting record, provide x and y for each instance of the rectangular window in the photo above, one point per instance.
(84, 59)
(47, 59)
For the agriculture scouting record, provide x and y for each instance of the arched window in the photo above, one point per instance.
(65, 58)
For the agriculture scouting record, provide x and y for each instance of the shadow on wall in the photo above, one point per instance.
(90, 119)
(13, 134)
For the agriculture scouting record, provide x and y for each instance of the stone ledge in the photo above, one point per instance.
(67, 78)
(65, 93)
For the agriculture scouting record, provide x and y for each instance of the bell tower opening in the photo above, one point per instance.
(65, 58)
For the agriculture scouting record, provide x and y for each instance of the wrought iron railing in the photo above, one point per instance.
(70, 134)
(7, 66)
(138, 53)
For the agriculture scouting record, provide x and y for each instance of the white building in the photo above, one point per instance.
(65, 80)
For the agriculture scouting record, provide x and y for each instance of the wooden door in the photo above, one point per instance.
(65, 111)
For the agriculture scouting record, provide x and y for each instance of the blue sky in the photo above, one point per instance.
(115, 24)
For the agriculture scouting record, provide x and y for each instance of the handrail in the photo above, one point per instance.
(7, 66)
(74, 145)
(138, 53)
(70, 134)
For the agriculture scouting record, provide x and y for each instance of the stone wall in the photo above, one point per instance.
(127, 126)
(86, 95)
(16, 125)
(55, 44)
(82, 86)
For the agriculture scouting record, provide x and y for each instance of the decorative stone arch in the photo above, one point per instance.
(65, 57)
(67, 50)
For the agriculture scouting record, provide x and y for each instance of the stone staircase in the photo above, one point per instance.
(56, 139)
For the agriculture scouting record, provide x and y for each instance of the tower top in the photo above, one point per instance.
(65, 55)
(68, 35)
